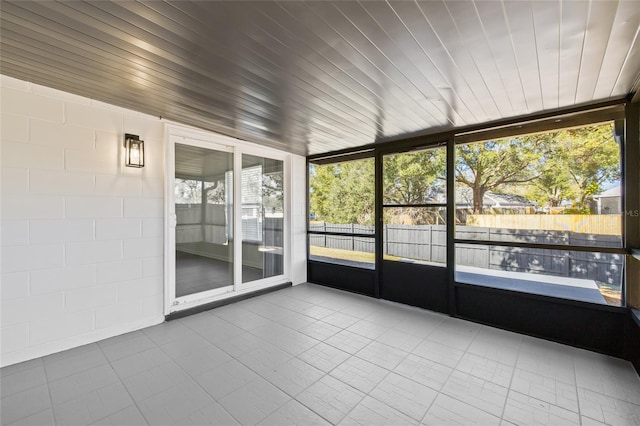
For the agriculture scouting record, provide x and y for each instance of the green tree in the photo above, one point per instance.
(593, 158)
(488, 166)
(413, 177)
(575, 164)
(343, 192)
(552, 186)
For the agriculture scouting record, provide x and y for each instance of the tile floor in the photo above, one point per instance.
(310, 355)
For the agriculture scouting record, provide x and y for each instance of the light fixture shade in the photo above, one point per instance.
(133, 151)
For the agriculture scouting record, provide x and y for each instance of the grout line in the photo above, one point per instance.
(170, 361)
(453, 369)
(108, 362)
(233, 358)
(135, 404)
(513, 373)
(328, 373)
(575, 377)
(296, 357)
(46, 377)
(30, 388)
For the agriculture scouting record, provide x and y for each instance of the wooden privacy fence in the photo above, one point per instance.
(428, 243)
(362, 244)
(601, 224)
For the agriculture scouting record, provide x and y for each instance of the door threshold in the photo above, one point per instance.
(227, 301)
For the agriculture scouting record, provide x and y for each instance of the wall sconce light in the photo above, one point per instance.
(133, 151)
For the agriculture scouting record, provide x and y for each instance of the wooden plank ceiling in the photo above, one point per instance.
(312, 77)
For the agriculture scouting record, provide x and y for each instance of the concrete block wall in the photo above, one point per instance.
(81, 236)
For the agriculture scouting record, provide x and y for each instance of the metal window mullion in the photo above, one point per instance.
(341, 234)
(631, 176)
(308, 220)
(237, 219)
(379, 224)
(613, 250)
(631, 194)
(451, 223)
(421, 205)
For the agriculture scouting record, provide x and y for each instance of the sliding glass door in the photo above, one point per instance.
(262, 217)
(227, 221)
(203, 201)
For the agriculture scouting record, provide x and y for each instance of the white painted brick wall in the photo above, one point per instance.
(118, 229)
(138, 207)
(14, 181)
(60, 182)
(152, 267)
(70, 215)
(14, 128)
(24, 310)
(153, 227)
(143, 247)
(32, 257)
(120, 185)
(136, 289)
(15, 233)
(93, 207)
(31, 156)
(61, 279)
(43, 231)
(91, 297)
(93, 252)
(15, 286)
(123, 270)
(14, 338)
(120, 313)
(61, 327)
(82, 236)
(61, 135)
(28, 104)
(28, 206)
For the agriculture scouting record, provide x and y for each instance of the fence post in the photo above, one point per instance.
(386, 239)
(430, 243)
(353, 239)
(324, 229)
(488, 256)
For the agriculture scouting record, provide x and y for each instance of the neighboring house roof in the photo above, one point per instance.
(491, 199)
(611, 192)
(464, 198)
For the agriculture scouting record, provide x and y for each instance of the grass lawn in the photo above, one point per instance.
(354, 256)
(611, 294)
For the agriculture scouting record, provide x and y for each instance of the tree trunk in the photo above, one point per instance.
(478, 195)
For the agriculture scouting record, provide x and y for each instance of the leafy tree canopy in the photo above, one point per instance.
(413, 177)
(588, 157)
(343, 192)
(488, 166)
(552, 167)
(549, 168)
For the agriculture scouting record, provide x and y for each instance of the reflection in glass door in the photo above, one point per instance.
(262, 195)
(203, 197)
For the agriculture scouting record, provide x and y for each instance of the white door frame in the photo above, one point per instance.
(184, 135)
